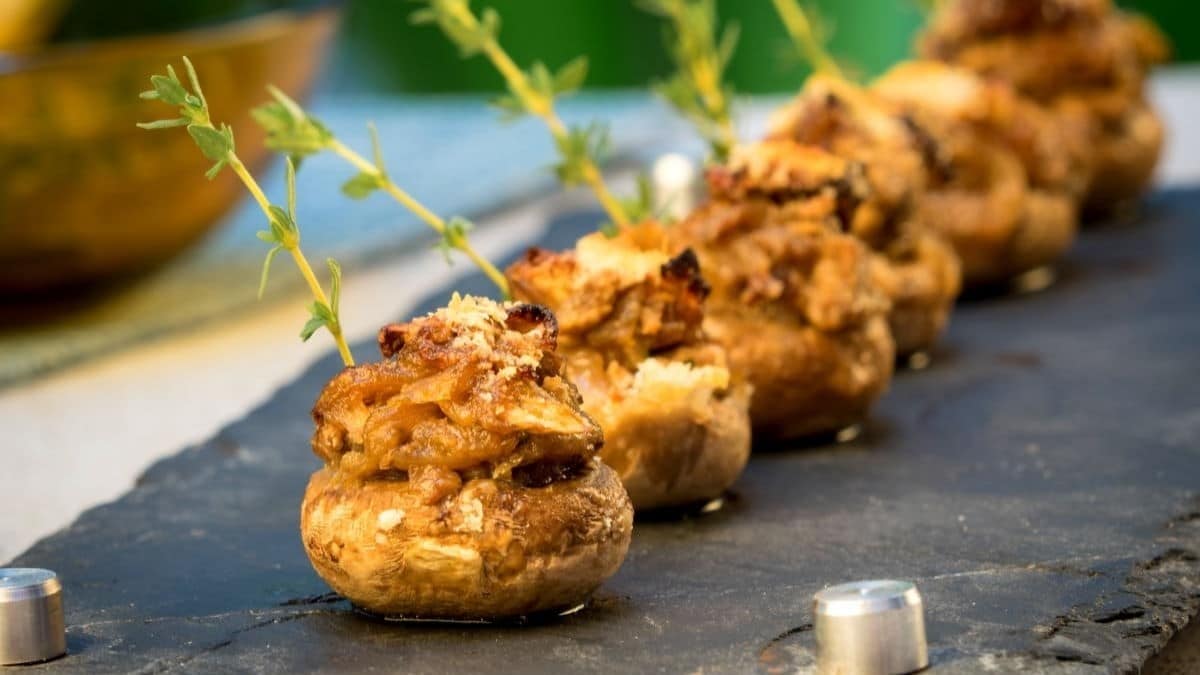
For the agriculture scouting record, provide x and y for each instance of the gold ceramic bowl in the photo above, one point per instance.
(25, 23)
(84, 194)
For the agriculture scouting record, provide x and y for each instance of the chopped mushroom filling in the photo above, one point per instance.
(624, 298)
(773, 236)
(471, 390)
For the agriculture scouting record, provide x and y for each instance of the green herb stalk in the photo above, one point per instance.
(290, 129)
(531, 92)
(283, 233)
(697, 90)
(804, 35)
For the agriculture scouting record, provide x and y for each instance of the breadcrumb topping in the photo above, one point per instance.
(473, 386)
(624, 297)
(782, 166)
(670, 382)
(773, 238)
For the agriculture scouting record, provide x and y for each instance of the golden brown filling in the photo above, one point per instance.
(630, 318)
(771, 238)
(624, 298)
(472, 390)
(896, 150)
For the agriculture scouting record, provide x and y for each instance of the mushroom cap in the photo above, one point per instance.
(461, 476)
(1126, 155)
(807, 381)
(917, 271)
(495, 549)
(922, 286)
(793, 298)
(1086, 59)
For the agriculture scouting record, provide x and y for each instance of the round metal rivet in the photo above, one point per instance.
(31, 616)
(870, 628)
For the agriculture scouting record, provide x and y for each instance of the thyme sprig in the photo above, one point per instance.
(531, 92)
(640, 205)
(806, 35)
(283, 232)
(292, 130)
(698, 90)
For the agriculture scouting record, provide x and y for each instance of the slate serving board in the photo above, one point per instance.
(1039, 482)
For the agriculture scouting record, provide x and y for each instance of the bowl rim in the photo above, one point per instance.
(260, 27)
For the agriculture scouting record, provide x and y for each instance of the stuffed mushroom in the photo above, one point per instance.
(911, 262)
(675, 420)
(461, 476)
(793, 297)
(1084, 59)
(1005, 174)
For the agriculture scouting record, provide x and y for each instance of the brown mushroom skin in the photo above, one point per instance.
(461, 476)
(496, 549)
(807, 382)
(690, 463)
(1125, 160)
(1005, 230)
(922, 285)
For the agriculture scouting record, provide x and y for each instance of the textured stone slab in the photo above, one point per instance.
(1039, 482)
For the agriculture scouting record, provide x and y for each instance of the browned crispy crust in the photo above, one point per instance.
(625, 297)
(793, 299)
(675, 422)
(461, 477)
(1082, 55)
(916, 269)
(1005, 191)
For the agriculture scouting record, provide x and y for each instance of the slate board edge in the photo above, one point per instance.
(1087, 639)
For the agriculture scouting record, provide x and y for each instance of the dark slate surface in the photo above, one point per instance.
(1039, 482)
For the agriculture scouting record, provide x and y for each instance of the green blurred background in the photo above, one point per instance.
(381, 51)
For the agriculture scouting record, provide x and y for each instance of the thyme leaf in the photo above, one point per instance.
(289, 129)
(454, 236)
(579, 148)
(530, 92)
(217, 144)
(697, 90)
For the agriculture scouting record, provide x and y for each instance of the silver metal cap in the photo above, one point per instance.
(870, 628)
(31, 616)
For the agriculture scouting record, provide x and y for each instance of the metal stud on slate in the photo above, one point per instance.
(870, 628)
(31, 616)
